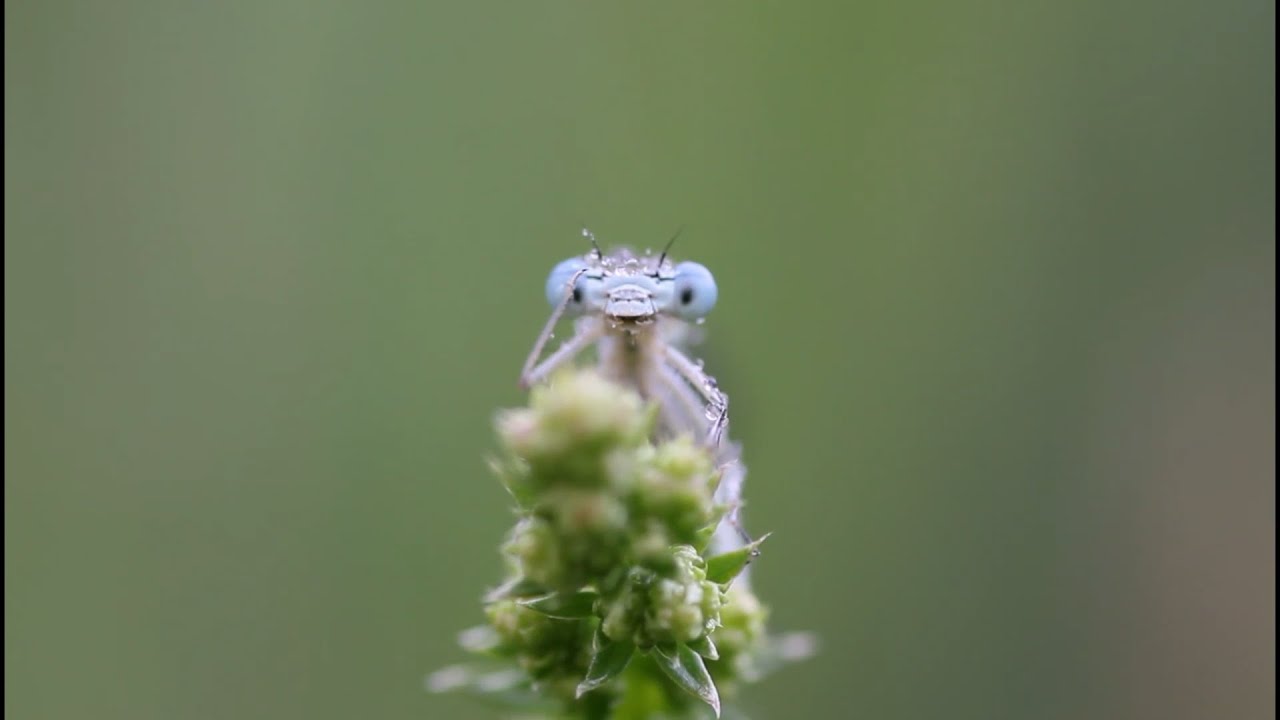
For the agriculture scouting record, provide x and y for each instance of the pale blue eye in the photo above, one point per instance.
(695, 291)
(560, 277)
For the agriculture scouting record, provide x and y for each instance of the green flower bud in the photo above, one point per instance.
(651, 546)
(555, 652)
(587, 513)
(678, 605)
(504, 617)
(681, 459)
(742, 626)
(538, 552)
(684, 606)
(675, 488)
(576, 411)
(603, 562)
(577, 432)
(584, 407)
(623, 615)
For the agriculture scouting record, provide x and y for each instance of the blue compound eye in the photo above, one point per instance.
(695, 291)
(560, 277)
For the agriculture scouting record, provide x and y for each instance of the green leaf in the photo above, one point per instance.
(686, 669)
(514, 588)
(614, 580)
(513, 472)
(704, 647)
(725, 567)
(609, 660)
(569, 606)
(645, 692)
(703, 537)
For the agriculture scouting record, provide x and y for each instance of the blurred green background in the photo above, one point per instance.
(997, 318)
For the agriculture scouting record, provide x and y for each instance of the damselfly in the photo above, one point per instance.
(637, 310)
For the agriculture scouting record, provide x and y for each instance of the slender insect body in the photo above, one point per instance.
(628, 359)
(636, 311)
(632, 357)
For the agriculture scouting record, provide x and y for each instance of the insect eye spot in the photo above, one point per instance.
(686, 296)
(577, 294)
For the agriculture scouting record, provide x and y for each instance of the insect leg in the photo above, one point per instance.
(730, 535)
(527, 373)
(681, 406)
(584, 335)
(717, 410)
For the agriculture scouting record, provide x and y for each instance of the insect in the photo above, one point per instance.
(637, 311)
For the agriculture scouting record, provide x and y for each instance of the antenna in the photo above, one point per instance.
(586, 233)
(665, 250)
